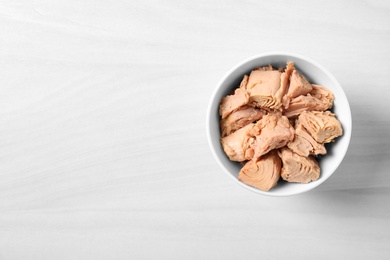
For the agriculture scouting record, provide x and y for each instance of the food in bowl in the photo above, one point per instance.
(276, 123)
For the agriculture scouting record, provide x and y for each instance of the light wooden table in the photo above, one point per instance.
(103, 149)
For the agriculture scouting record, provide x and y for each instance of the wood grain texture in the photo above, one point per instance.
(103, 150)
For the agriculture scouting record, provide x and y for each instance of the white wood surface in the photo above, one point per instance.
(103, 151)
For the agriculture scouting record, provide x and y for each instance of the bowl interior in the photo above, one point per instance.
(315, 74)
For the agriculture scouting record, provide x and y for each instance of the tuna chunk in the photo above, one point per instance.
(236, 145)
(263, 86)
(298, 85)
(298, 168)
(231, 103)
(272, 132)
(244, 82)
(322, 126)
(263, 173)
(285, 82)
(305, 103)
(240, 118)
(323, 94)
(303, 144)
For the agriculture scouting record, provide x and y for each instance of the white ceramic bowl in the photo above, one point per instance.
(316, 74)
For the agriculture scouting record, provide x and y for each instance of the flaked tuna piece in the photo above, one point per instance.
(305, 103)
(303, 144)
(263, 173)
(284, 84)
(298, 168)
(244, 82)
(272, 132)
(236, 145)
(300, 146)
(298, 86)
(323, 94)
(322, 126)
(290, 67)
(231, 103)
(281, 93)
(239, 118)
(262, 88)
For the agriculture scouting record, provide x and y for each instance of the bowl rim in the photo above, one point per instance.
(209, 112)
